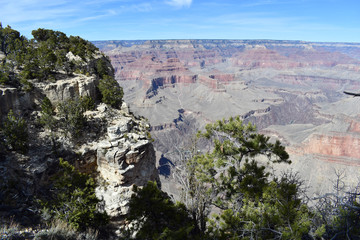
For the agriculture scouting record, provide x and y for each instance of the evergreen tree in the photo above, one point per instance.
(47, 114)
(72, 118)
(255, 204)
(15, 133)
(157, 217)
(73, 199)
(111, 92)
(231, 167)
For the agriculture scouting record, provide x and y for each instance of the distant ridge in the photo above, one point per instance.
(129, 43)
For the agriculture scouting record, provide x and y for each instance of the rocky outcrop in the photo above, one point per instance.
(11, 98)
(125, 158)
(72, 87)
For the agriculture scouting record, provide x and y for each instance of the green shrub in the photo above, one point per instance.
(4, 76)
(111, 91)
(87, 103)
(47, 111)
(157, 217)
(101, 68)
(15, 133)
(74, 200)
(26, 85)
(72, 118)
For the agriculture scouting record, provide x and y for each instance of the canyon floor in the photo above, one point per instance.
(291, 90)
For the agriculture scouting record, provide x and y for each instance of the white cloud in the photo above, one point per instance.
(179, 3)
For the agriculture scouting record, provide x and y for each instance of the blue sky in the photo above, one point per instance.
(309, 20)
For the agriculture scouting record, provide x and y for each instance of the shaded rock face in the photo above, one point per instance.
(125, 158)
(11, 98)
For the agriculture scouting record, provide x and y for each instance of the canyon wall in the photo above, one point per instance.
(292, 90)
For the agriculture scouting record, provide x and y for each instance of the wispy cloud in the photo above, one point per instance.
(35, 10)
(179, 3)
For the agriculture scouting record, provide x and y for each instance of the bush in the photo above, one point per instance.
(72, 118)
(87, 103)
(74, 200)
(15, 133)
(111, 91)
(47, 112)
(157, 217)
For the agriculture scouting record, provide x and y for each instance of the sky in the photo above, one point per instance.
(307, 20)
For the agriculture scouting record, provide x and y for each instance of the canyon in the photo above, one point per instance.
(291, 90)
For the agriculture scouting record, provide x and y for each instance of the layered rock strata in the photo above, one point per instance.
(126, 157)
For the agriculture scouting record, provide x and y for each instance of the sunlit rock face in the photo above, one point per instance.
(125, 158)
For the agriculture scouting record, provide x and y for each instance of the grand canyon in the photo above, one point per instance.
(291, 90)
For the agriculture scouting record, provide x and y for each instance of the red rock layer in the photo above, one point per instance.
(322, 82)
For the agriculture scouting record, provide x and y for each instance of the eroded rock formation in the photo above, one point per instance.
(126, 157)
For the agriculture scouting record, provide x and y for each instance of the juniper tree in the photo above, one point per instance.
(254, 203)
(15, 133)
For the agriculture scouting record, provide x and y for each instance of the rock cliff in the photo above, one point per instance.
(126, 157)
(107, 142)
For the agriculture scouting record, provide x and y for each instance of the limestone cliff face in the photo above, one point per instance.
(120, 157)
(72, 87)
(126, 157)
(114, 147)
(11, 98)
(68, 86)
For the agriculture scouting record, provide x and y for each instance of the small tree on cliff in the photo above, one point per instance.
(15, 133)
(231, 168)
(157, 217)
(255, 204)
(111, 92)
(73, 199)
(72, 118)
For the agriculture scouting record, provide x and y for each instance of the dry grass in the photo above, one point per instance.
(60, 230)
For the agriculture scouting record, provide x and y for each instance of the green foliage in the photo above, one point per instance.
(82, 48)
(4, 74)
(45, 57)
(102, 68)
(15, 133)
(255, 204)
(87, 103)
(277, 214)
(26, 85)
(9, 40)
(46, 60)
(233, 161)
(72, 119)
(111, 92)
(47, 114)
(74, 200)
(157, 217)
